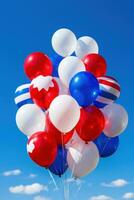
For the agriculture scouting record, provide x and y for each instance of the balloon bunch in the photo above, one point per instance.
(68, 110)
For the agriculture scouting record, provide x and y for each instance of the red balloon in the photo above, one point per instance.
(61, 138)
(95, 64)
(91, 123)
(37, 64)
(43, 90)
(42, 149)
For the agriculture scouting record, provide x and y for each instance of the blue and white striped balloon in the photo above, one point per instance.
(22, 95)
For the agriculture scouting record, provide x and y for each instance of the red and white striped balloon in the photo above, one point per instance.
(109, 91)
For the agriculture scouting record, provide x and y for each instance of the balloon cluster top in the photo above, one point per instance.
(64, 42)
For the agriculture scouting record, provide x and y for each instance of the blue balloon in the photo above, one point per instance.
(60, 164)
(56, 59)
(106, 146)
(84, 88)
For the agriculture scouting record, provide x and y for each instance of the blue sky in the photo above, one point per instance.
(27, 26)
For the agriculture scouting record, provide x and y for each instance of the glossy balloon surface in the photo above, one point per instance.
(82, 158)
(95, 64)
(61, 138)
(116, 119)
(30, 119)
(68, 67)
(84, 88)
(107, 146)
(22, 95)
(68, 113)
(60, 164)
(37, 64)
(91, 123)
(42, 149)
(64, 42)
(43, 90)
(86, 45)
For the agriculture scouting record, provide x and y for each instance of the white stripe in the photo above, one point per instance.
(22, 98)
(109, 80)
(104, 100)
(22, 87)
(109, 89)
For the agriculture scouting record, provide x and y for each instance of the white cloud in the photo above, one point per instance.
(15, 172)
(116, 183)
(28, 189)
(128, 195)
(41, 198)
(32, 175)
(101, 197)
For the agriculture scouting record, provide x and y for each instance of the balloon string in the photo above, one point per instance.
(64, 179)
(74, 164)
(68, 190)
(72, 171)
(54, 182)
(105, 146)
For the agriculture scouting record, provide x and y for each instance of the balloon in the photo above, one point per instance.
(91, 123)
(22, 95)
(56, 59)
(43, 90)
(84, 87)
(60, 165)
(86, 45)
(62, 88)
(106, 146)
(75, 138)
(68, 67)
(95, 64)
(64, 113)
(82, 158)
(109, 91)
(61, 138)
(30, 119)
(42, 149)
(37, 64)
(64, 42)
(116, 119)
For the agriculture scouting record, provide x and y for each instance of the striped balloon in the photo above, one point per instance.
(109, 91)
(22, 95)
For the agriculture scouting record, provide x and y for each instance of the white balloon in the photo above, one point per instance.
(68, 67)
(116, 119)
(30, 119)
(82, 158)
(62, 88)
(86, 45)
(64, 42)
(64, 113)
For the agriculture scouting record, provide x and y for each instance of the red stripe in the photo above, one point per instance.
(110, 84)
